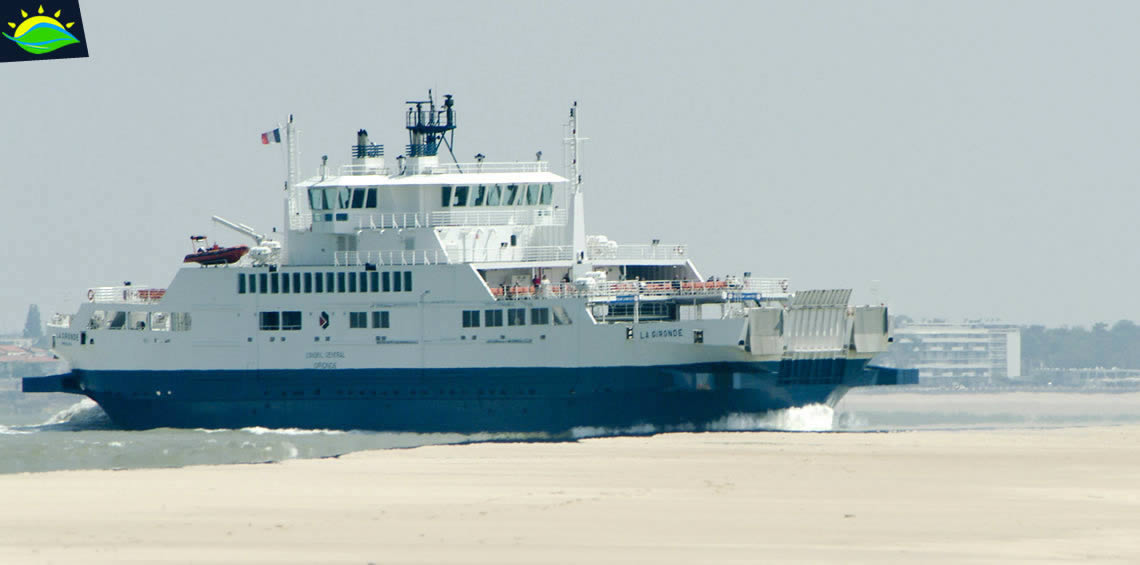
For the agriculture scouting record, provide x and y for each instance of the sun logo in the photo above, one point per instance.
(41, 34)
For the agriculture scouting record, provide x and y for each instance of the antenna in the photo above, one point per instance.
(581, 265)
(290, 153)
(427, 128)
(573, 148)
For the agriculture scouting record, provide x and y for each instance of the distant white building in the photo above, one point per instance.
(973, 351)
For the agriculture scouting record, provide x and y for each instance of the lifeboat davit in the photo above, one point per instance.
(217, 255)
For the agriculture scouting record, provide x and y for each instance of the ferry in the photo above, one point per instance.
(425, 295)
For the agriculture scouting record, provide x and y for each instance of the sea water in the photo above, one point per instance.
(80, 436)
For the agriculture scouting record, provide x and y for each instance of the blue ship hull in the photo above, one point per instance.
(536, 399)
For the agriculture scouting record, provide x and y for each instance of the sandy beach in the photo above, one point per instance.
(930, 496)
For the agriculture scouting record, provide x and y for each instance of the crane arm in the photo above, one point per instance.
(241, 228)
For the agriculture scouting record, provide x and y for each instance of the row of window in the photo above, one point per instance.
(290, 320)
(306, 283)
(497, 195)
(341, 198)
(516, 317)
(139, 320)
(359, 320)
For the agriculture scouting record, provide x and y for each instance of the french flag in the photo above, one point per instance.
(271, 136)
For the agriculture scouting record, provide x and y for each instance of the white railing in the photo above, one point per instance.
(498, 218)
(392, 221)
(486, 167)
(659, 251)
(125, 294)
(463, 218)
(732, 289)
(768, 286)
(355, 170)
(564, 253)
(403, 257)
(508, 254)
(538, 254)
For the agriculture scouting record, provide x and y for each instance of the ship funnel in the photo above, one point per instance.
(367, 158)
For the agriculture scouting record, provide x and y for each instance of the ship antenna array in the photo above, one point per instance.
(427, 128)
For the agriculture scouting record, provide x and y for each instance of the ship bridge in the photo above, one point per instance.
(518, 224)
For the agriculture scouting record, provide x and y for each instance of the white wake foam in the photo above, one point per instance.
(5, 430)
(258, 430)
(83, 414)
(593, 431)
(810, 418)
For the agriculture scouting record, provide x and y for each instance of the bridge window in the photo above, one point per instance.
(340, 282)
(358, 320)
(291, 320)
(351, 281)
(241, 283)
(370, 201)
(317, 199)
(263, 285)
(460, 196)
(358, 197)
(380, 319)
(547, 194)
(397, 282)
(296, 282)
(309, 282)
(480, 193)
(509, 196)
(494, 195)
(387, 280)
(285, 283)
(470, 318)
(445, 192)
(320, 282)
(160, 321)
(540, 316)
(363, 282)
(118, 321)
(516, 317)
(344, 197)
(329, 282)
(531, 194)
(274, 283)
(374, 278)
(494, 318)
(407, 281)
(270, 321)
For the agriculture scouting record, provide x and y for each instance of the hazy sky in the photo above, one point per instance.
(977, 159)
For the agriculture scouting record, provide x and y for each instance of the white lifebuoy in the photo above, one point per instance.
(91, 295)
